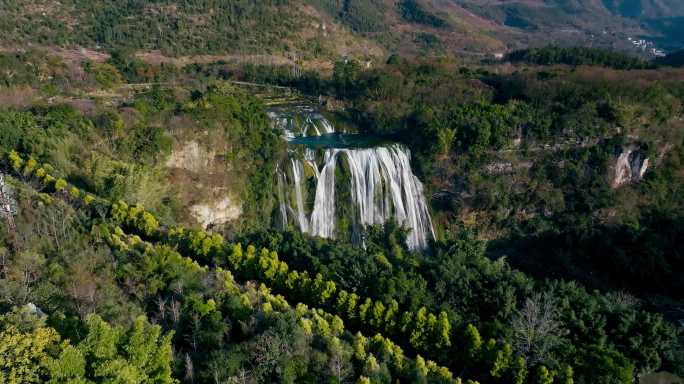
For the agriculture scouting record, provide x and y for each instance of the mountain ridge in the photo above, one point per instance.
(311, 29)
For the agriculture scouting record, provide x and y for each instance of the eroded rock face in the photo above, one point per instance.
(204, 182)
(192, 157)
(8, 205)
(630, 166)
(216, 213)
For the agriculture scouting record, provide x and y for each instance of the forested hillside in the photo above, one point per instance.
(550, 265)
(307, 31)
(156, 187)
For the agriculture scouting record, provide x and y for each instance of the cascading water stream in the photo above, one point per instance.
(297, 175)
(382, 186)
(323, 215)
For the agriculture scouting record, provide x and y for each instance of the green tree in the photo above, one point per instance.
(24, 355)
(137, 355)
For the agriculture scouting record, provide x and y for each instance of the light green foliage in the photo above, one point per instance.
(23, 355)
(60, 185)
(543, 375)
(472, 342)
(69, 366)
(135, 355)
(106, 75)
(364, 309)
(391, 314)
(443, 330)
(418, 333)
(88, 199)
(360, 347)
(135, 217)
(30, 166)
(371, 365)
(15, 160)
(377, 316)
(498, 357)
(106, 354)
(421, 369)
(439, 374)
(519, 370)
(567, 375)
(74, 193)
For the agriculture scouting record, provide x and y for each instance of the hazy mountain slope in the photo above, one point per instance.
(664, 19)
(645, 8)
(599, 22)
(284, 27)
(311, 30)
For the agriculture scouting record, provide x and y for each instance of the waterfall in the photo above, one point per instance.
(310, 159)
(381, 182)
(297, 176)
(313, 124)
(281, 197)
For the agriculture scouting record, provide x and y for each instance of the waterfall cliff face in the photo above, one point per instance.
(378, 185)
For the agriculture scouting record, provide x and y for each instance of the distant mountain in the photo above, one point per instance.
(645, 9)
(314, 29)
(675, 59)
(596, 22)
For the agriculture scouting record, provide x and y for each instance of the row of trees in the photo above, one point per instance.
(143, 222)
(202, 308)
(226, 302)
(460, 279)
(426, 333)
(481, 357)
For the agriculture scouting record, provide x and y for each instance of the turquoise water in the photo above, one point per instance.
(340, 140)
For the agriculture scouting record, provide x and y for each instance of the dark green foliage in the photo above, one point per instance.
(34, 68)
(189, 27)
(413, 12)
(360, 15)
(556, 219)
(642, 254)
(674, 59)
(135, 70)
(577, 56)
(17, 129)
(475, 290)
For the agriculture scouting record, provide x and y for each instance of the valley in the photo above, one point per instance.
(314, 191)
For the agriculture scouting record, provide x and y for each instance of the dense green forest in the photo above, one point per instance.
(674, 59)
(542, 271)
(188, 27)
(577, 56)
(312, 30)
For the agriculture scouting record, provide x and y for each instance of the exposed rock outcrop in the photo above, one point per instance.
(630, 166)
(8, 205)
(216, 213)
(204, 179)
(192, 157)
(506, 167)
